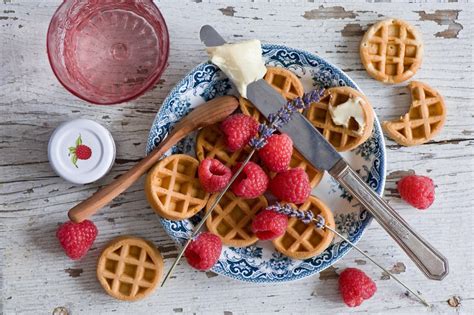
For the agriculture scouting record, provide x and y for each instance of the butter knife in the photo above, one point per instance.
(322, 155)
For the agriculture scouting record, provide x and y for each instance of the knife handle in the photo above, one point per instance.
(431, 262)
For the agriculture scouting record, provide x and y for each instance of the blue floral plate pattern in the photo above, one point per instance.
(261, 262)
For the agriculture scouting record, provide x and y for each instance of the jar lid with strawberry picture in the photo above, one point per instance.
(81, 151)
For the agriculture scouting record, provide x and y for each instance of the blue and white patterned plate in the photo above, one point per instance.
(260, 262)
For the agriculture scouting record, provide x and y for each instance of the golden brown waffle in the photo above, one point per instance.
(391, 51)
(282, 80)
(231, 220)
(423, 121)
(129, 268)
(173, 189)
(210, 143)
(302, 241)
(342, 138)
(315, 176)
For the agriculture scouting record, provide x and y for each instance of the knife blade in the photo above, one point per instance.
(210, 37)
(322, 155)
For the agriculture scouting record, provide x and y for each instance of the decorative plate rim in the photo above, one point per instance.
(344, 248)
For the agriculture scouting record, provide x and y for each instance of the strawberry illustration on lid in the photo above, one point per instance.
(81, 151)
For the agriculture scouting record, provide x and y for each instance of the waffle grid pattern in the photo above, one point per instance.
(343, 139)
(282, 80)
(129, 269)
(391, 52)
(173, 187)
(302, 241)
(424, 119)
(210, 143)
(232, 219)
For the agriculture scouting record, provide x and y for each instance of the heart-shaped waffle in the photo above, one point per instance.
(302, 241)
(129, 268)
(173, 189)
(210, 143)
(423, 121)
(282, 80)
(231, 220)
(342, 138)
(391, 51)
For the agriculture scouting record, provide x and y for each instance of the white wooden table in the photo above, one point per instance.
(36, 276)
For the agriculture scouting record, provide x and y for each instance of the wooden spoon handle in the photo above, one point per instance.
(210, 113)
(88, 207)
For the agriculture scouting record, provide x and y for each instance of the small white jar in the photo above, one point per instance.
(81, 151)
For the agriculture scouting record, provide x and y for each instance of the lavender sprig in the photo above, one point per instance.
(320, 223)
(283, 116)
(264, 131)
(305, 216)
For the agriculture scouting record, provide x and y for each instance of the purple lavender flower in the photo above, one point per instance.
(283, 116)
(305, 216)
(286, 209)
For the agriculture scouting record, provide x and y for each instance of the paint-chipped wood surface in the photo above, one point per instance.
(37, 278)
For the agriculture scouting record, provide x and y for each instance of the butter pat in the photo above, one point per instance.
(242, 62)
(341, 114)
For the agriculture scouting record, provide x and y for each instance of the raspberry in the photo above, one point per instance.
(213, 175)
(276, 154)
(238, 130)
(355, 286)
(291, 186)
(79, 151)
(204, 251)
(76, 238)
(251, 182)
(83, 152)
(268, 224)
(418, 191)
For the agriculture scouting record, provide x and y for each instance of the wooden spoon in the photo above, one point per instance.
(207, 114)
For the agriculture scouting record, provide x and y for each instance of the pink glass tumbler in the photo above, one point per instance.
(108, 51)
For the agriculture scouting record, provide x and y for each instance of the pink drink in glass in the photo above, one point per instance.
(108, 51)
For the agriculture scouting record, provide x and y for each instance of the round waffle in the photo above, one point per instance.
(129, 268)
(173, 189)
(302, 241)
(210, 143)
(282, 80)
(391, 51)
(231, 220)
(342, 138)
(315, 176)
(423, 121)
